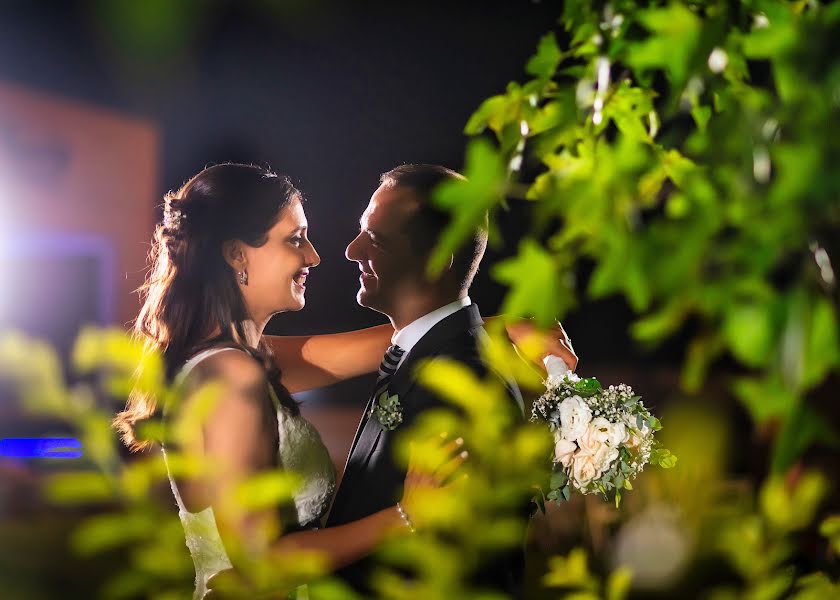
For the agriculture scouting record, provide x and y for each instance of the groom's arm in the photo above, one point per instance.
(312, 361)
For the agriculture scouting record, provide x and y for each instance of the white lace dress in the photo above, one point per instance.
(300, 450)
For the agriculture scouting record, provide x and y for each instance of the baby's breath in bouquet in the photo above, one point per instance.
(603, 438)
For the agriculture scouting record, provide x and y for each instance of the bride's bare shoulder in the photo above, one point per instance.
(232, 366)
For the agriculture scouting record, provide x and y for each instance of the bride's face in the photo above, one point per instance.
(278, 269)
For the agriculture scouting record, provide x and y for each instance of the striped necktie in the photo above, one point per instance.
(387, 368)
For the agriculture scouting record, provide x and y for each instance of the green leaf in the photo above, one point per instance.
(830, 528)
(765, 398)
(544, 63)
(79, 487)
(495, 112)
(803, 428)
(701, 115)
(618, 583)
(822, 348)
(569, 571)
(268, 489)
(105, 532)
(774, 587)
(558, 479)
(535, 288)
(675, 31)
(468, 201)
(750, 331)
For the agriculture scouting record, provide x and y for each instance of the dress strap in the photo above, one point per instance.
(193, 362)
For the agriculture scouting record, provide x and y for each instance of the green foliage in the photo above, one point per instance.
(572, 573)
(701, 183)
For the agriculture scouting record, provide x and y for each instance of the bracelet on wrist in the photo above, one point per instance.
(405, 518)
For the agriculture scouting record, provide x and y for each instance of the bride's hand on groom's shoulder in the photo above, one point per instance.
(432, 464)
(535, 344)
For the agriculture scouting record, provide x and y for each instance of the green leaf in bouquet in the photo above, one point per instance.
(539, 498)
(654, 423)
(663, 458)
(588, 386)
(565, 492)
(559, 479)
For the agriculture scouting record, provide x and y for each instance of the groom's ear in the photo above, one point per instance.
(234, 254)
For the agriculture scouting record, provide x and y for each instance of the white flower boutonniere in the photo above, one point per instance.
(388, 411)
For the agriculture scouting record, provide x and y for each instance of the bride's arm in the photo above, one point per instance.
(311, 361)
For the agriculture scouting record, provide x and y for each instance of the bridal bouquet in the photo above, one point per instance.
(603, 438)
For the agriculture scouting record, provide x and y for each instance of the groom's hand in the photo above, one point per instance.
(535, 343)
(431, 465)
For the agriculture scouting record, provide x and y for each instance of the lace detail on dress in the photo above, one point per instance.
(300, 450)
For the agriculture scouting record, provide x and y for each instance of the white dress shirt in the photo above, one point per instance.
(407, 337)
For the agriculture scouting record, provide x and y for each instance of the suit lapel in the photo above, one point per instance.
(370, 432)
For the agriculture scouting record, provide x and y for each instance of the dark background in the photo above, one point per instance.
(331, 94)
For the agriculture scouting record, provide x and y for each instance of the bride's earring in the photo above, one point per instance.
(243, 277)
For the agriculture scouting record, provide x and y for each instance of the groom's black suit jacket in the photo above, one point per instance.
(372, 481)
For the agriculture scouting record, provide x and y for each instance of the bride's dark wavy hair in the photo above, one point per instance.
(191, 291)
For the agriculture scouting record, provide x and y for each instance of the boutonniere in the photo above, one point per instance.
(388, 411)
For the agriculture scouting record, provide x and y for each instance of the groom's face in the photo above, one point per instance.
(390, 268)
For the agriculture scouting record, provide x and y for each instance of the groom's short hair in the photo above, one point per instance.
(428, 222)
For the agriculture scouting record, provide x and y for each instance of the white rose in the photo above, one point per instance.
(584, 469)
(605, 457)
(592, 442)
(574, 417)
(618, 434)
(564, 450)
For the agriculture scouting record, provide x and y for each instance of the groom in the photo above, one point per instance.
(398, 230)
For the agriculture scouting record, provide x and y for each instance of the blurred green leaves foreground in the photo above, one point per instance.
(128, 509)
(687, 152)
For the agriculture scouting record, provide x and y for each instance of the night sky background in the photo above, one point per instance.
(328, 93)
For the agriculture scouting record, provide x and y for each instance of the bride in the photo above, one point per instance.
(233, 251)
